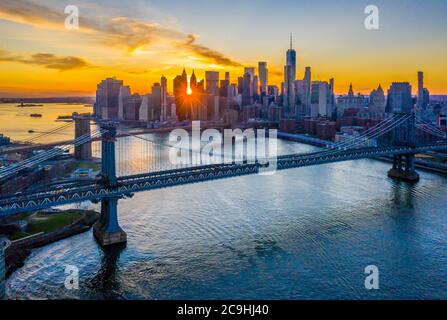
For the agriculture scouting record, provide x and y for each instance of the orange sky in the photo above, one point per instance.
(39, 57)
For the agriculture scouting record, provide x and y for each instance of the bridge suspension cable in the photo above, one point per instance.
(429, 128)
(10, 170)
(365, 134)
(364, 137)
(358, 140)
(430, 132)
(153, 155)
(47, 133)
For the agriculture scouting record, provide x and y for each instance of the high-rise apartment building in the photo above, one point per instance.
(212, 82)
(423, 98)
(263, 77)
(289, 90)
(399, 98)
(306, 100)
(180, 91)
(124, 96)
(164, 98)
(246, 89)
(156, 99)
(107, 99)
(250, 71)
(151, 104)
(321, 99)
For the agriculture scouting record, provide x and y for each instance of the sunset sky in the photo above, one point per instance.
(138, 41)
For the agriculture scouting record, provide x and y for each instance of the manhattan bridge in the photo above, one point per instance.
(399, 137)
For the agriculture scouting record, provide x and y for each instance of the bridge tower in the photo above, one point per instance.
(107, 230)
(403, 165)
(82, 127)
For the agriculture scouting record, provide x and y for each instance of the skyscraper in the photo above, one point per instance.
(212, 82)
(420, 89)
(212, 94)
(195, 98)
(423, 94)
(132, 111)
(307, 91)
(122, 100)
(263, 77)
(320, 99)
(223, 90)
(289, 80)
(156, 97)
(291, 58)
(180, 91)
(246, 89)
(164, 98)
(150, 106)
(250, 71)
(399, 98)
(289, 90)
(107, 99)
(255, 88)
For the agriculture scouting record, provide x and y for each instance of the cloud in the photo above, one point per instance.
(206, 52)
(122, 32)
(275, 72)
(28, 12)
(46, 60)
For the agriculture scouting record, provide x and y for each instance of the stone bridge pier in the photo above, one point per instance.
(403, 165)
(107, 230)
(403, 168)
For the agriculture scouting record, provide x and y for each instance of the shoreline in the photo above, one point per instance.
(19, 250)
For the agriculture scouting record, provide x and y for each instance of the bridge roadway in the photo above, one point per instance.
(95, 190)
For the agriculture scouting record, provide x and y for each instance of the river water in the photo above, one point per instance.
(16, 122)
(304, 233)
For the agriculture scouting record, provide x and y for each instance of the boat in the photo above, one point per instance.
(35, 115)
(22, 105)
(65, 118)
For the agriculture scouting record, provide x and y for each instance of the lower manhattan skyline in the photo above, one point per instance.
(139, 43)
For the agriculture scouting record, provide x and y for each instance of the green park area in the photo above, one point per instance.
(44, 222)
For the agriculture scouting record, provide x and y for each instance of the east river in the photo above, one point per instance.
(305, 233)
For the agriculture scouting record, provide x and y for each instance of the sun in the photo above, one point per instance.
(189, 91)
